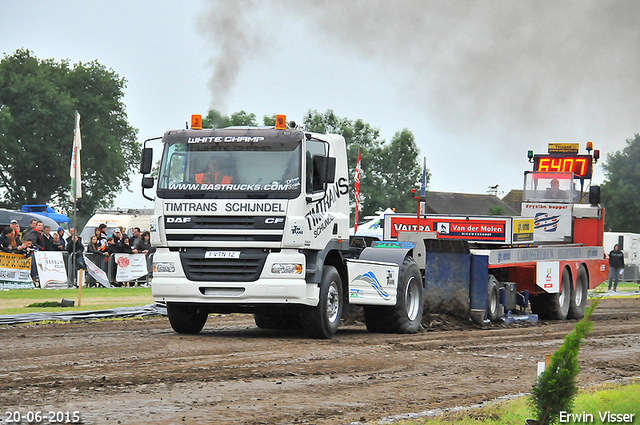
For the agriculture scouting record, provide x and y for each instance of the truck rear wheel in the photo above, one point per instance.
(186, 318)
(579, 295)
(493, 299)
(406, 316)
(554, 306)
(322, 321)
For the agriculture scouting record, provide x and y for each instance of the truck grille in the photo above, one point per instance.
(247, 268)
(224, 229)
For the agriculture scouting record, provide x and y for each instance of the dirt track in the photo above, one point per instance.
(141, 372)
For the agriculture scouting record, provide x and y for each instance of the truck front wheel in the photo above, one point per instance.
(406, 316)
(186, 318)
(322, 321)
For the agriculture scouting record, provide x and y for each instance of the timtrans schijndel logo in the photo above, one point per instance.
(546, 222)
(371, 279)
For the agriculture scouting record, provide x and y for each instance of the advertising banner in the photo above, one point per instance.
(472, 229)
(97, 273)
(15, 271)
(130, 267)
(551, 222)
(51, 269)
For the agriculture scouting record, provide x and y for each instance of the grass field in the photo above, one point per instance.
(622, 287)
(15, 301)
(616, 399)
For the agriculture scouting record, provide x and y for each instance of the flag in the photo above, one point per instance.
(423, 184)
(76, 183)
(357, 187)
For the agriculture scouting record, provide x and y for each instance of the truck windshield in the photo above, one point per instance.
(550, 187)
(208, 170)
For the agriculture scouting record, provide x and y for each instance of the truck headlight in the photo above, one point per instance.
(164, 268)
(286, 268)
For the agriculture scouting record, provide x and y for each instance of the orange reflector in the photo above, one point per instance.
(281, 122)
(196, 122)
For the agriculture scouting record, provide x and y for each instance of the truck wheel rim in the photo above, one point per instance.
(333, 302)
(412, 299)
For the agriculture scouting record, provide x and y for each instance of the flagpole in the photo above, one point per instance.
(76, 192)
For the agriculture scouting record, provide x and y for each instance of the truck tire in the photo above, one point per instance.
(276, 317)
(579, 295)
(322, 321)
(494, 310)
(406, 316)
(554, 306)
(186, 318)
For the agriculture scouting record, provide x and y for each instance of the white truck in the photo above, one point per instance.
(272, 237)
(256, 219)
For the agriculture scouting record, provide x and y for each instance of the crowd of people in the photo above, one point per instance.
(39, 237)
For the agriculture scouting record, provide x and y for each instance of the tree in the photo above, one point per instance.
(557, 386)
(496, 210)
(215, 119)
(37, 103)
(389, 171)
(620, 191)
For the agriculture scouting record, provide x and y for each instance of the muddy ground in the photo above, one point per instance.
(141, 372)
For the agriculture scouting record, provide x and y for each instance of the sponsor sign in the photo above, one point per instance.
(551, 222)
(15, 271)
(97, 273)
(472, 229)
(51, 269)
(130, 266)
(548, 276)
(522, 230)
(372, 283)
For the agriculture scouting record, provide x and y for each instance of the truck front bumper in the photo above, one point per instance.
(270, 288)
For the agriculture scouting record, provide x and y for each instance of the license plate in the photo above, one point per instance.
(222, 254)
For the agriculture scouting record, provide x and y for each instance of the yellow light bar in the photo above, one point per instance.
(196, 122)
(281, 122)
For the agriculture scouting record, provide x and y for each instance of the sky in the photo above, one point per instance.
(479, 83)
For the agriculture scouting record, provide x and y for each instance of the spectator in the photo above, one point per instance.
(61, 236)
(35, 236)
(133, 241)
(110, 245)
(144, 244)
(57, 243)
(16, 228)
(616, 266)
(75, 246)
(47, 239)
(8, 242)
(101, 239)
(103, 230)
(121, 244)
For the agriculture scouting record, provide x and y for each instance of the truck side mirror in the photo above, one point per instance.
(324, 171)
(147, 182)
(146, 161)
(594, 195)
